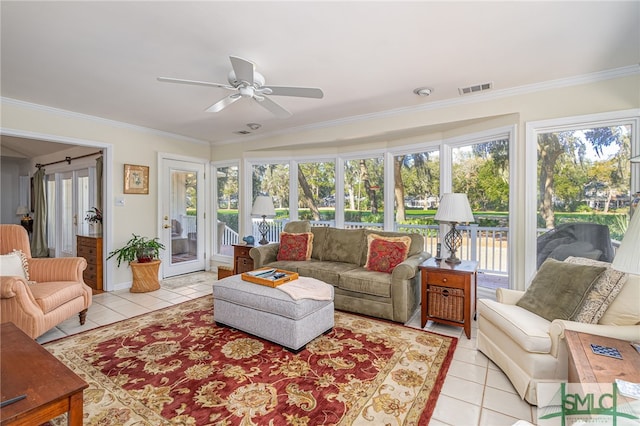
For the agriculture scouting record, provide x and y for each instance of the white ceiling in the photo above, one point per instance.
(102, 58)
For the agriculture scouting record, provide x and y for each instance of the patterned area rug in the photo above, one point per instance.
(189, 279)
(175, 366)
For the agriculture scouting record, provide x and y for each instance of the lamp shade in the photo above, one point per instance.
(454, 207)
(22, 210)
(628, 254)
(263, 206)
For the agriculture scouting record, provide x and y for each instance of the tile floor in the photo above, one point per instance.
(475, 392)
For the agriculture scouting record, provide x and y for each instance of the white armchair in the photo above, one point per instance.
(531, 350)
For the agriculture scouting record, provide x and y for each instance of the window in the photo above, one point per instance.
(227, 226)
(580, 169)
(584, 175)
(364, 193)
(481, 170)
(317, 192)
(272, 179)
(416, 179)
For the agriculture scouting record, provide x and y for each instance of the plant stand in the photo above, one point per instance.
(145, 276)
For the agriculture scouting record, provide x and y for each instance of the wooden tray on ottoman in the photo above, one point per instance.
(268, 280)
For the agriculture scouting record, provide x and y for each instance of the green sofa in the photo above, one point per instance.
(338, 258)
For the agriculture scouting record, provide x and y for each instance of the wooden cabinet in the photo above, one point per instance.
(242, 262)
(448, 293)
(90, 247)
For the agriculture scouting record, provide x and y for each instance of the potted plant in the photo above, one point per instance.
(94, 217)
(138, 248)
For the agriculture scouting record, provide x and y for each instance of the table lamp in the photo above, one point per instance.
(628, 254)
(23, 211)
(263, 207)
(454, 208)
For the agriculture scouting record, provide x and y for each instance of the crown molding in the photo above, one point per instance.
(462, 100)
(99, 120)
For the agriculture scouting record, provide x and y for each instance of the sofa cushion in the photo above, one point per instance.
(625, 309)
(528, 330)
(385, 253)
(297, 227)
(52, 295)
(344, 245)
(360, 280)
(329, 272)
(295, 246)
(319, 237)
(559, 289)
(603, 292)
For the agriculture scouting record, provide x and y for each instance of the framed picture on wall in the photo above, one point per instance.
(136, 179)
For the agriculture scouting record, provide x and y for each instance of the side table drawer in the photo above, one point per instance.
(445, 279)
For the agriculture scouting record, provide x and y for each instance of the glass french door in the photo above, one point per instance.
(183, 231)
(68, 196)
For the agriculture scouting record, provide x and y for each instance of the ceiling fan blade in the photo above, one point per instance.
(223, 103)
(198, 83)
(273, 107)
(243, 69)
(303, 92)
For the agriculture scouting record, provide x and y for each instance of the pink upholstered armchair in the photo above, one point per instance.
(55, 291)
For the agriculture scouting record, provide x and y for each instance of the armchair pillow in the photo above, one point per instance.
(295, 246)
(603, 292)
(559, 289)
(385, 253)
(14, 264)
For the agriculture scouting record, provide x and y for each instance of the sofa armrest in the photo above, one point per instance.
(507, 296)
(622, 332)
(405, 287)
(262, 255)
(409, 267)
(42, 270)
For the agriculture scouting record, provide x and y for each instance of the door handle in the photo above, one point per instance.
(167, 226)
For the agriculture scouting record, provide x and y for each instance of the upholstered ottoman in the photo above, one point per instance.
(272, 313)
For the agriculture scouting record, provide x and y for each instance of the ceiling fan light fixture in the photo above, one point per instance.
(423, 91)
(254, 126)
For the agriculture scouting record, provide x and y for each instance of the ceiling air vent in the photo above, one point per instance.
(242, 132)
(475, 89)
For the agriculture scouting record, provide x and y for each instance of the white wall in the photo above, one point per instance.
(125, 144)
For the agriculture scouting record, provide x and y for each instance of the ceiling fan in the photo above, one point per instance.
(246, 82)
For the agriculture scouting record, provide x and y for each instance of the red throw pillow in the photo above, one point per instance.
(385, 253)
(295, 246)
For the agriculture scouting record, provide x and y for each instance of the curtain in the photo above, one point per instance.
(39, 247)
(99, 166)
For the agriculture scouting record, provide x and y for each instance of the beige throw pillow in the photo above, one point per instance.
(603, 292)
(559, 289)
(14, 264)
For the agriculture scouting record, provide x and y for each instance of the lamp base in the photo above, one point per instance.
(453, 260)
(263, 227)
(453, 240)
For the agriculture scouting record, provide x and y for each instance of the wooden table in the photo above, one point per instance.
(26, 368)
(448, 292)
(588, 367)
(242, 261)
